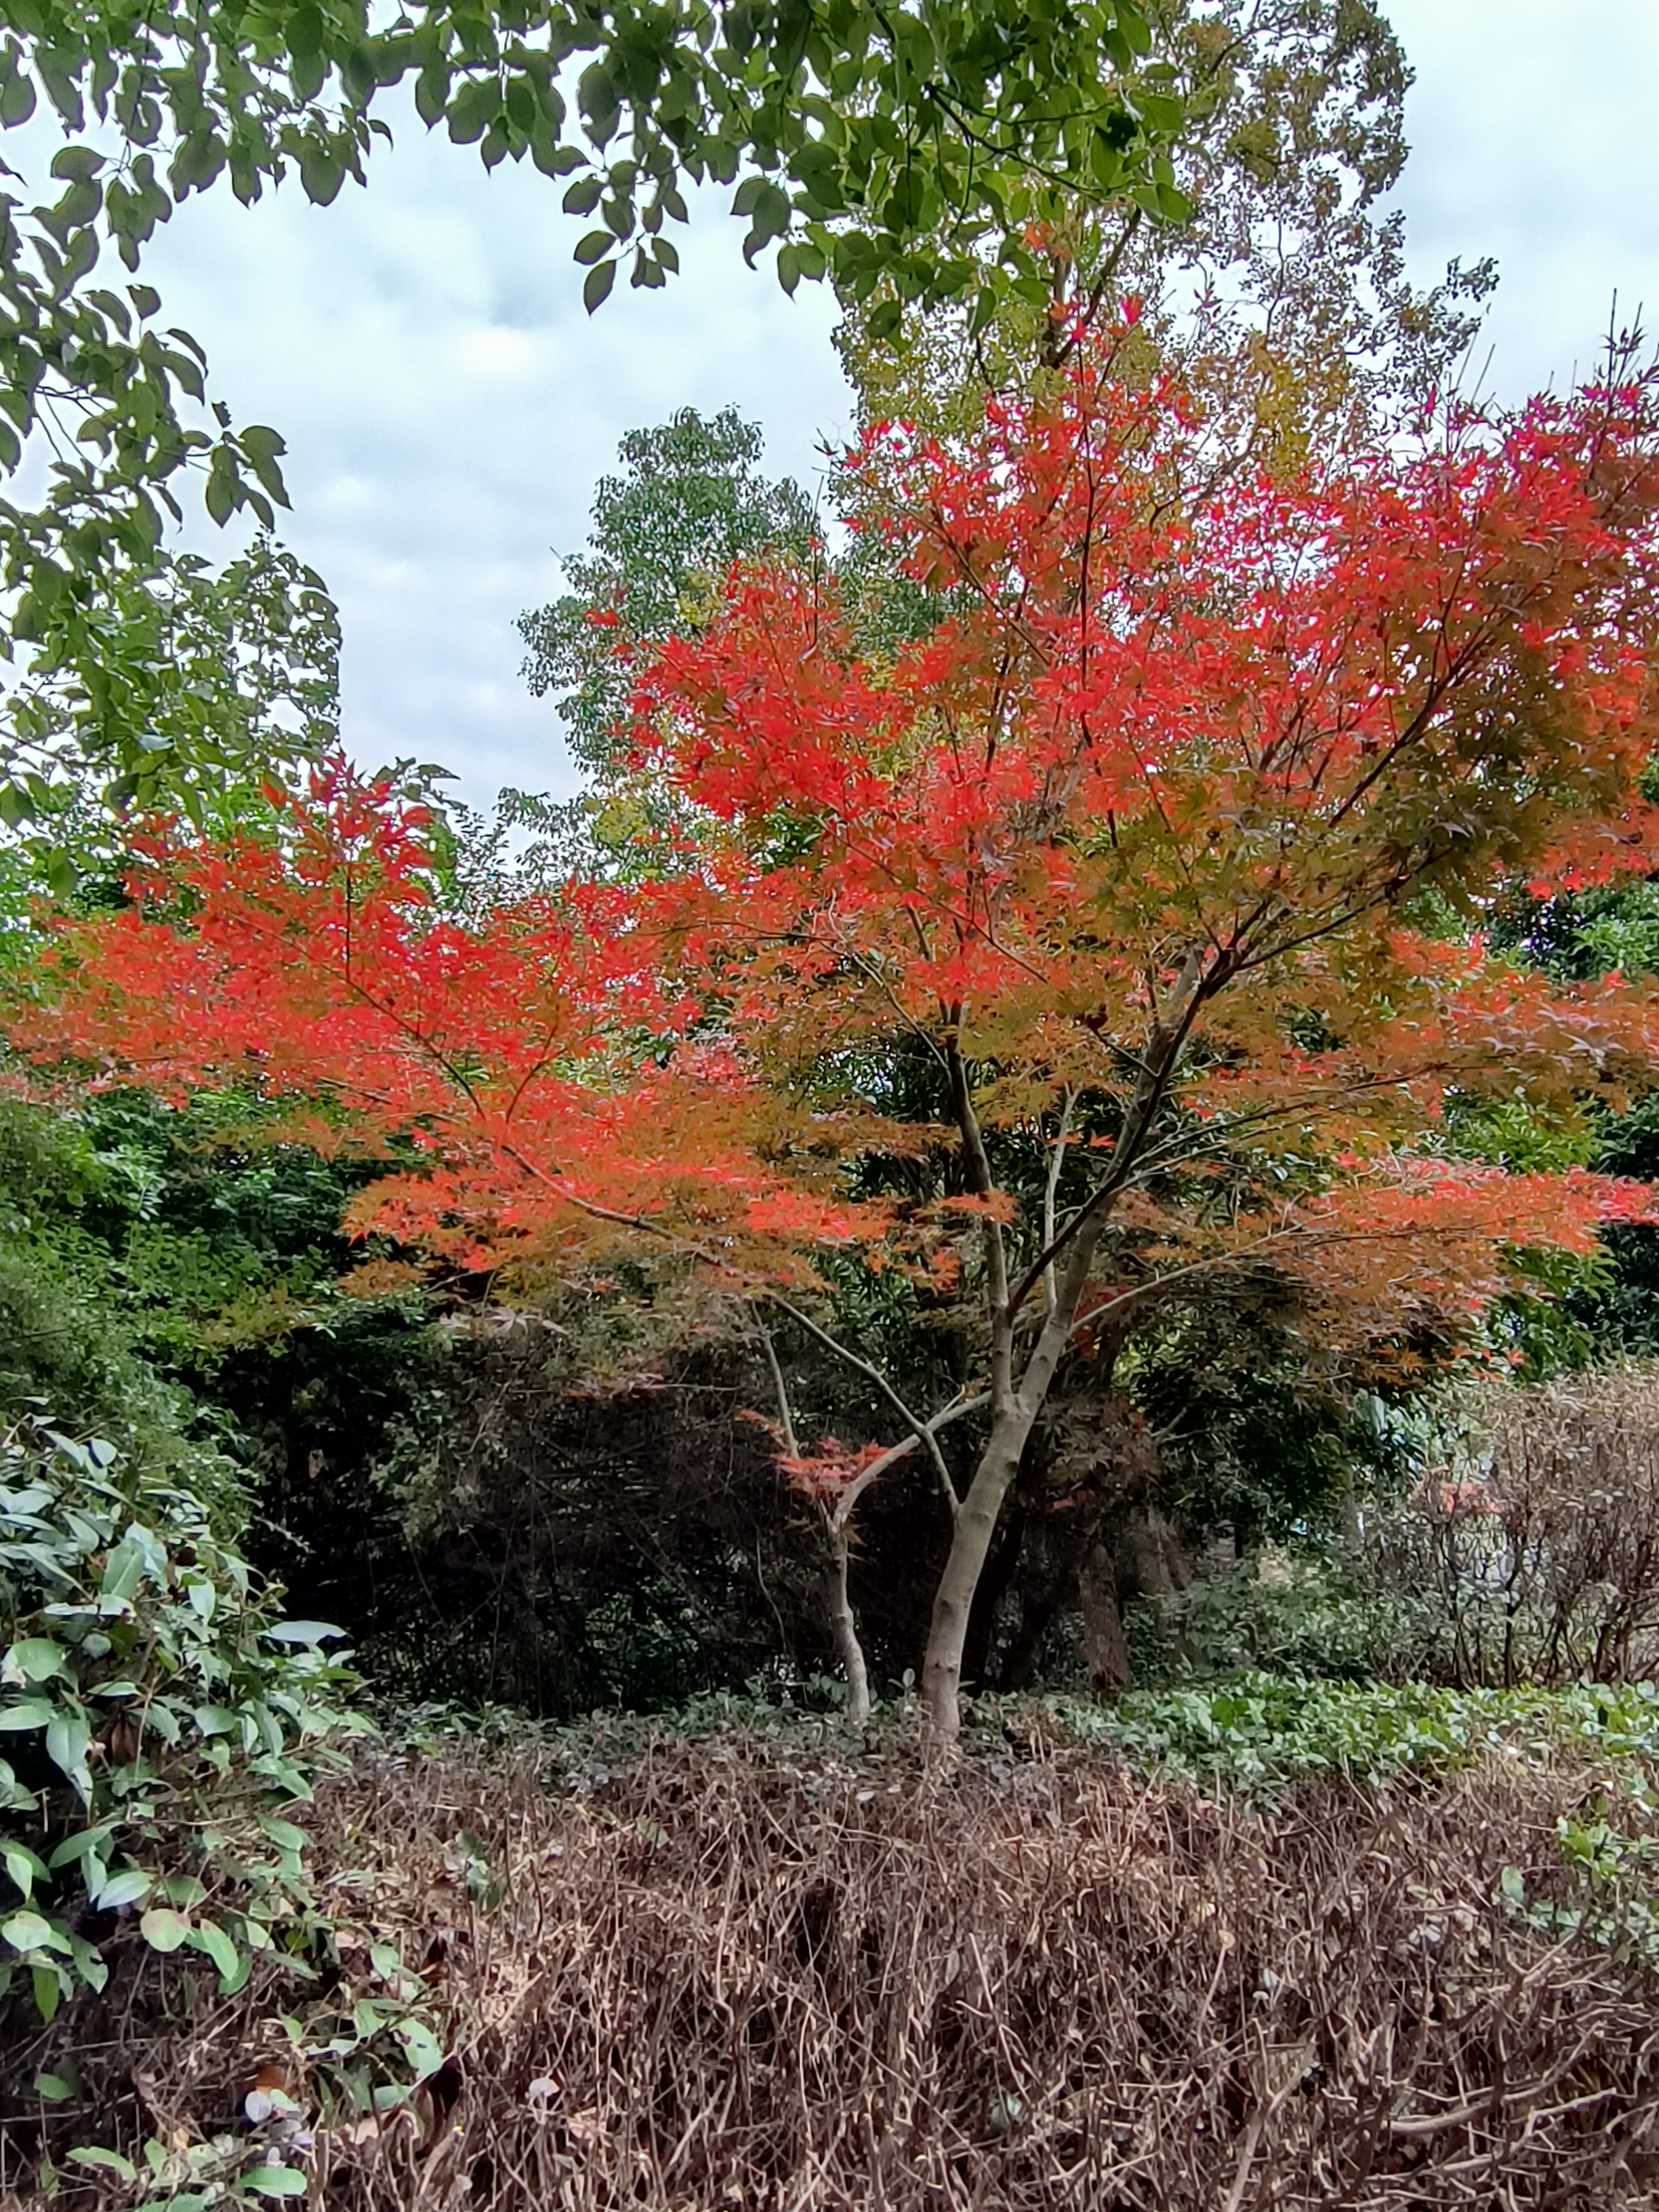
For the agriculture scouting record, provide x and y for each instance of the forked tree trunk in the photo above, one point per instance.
(1011, 1422)
(1019, 1394)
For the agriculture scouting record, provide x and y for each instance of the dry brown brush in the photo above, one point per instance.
(791, 1983)
(1533, 1555)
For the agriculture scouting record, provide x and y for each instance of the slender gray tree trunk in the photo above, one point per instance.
(838, 1604)
(843, 1625)
(970, 1543)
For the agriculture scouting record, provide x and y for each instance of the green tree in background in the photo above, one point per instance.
(1284, 297)
(217, 676)
(689, 504)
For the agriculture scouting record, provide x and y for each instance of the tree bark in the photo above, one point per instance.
(970, 1543)
(1000, 1569)
(1145, 1559)
(1105, 1649)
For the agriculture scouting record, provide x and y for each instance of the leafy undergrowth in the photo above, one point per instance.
(1253, 1734)
(746, 1958)
(163, 1729)
(1256, 1733)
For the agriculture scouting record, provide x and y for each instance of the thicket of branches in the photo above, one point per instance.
(766, 1967)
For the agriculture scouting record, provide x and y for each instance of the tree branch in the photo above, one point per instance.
(1056, 1161)
(855, 1489)
(919, 1428)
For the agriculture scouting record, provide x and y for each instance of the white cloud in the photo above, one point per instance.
(448, 405)
(1533, 137)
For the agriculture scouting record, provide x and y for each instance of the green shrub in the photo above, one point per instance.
(164, 1726)
(160, 1717)
(1259, 1732)
(1276, 1614)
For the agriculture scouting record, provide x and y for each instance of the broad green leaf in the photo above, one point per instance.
(29, 1931)
(90, 1843)
(36, 1659)
(23, 1865)
(596, 288)
(112, 2160)
(124, 1569)
(26, 1713)
(276, 2181)
(67, 1738)
(473, 109)
(125, 1887)
(208, 1937)
(422, 2048)
(162, 1929)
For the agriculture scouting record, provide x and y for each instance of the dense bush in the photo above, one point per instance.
(166, 1730)
(1536, 1547)
(1525, 1550)
(161, 1718)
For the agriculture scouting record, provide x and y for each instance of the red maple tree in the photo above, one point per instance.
(1161, 852)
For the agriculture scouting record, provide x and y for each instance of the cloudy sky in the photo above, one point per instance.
(448, 405)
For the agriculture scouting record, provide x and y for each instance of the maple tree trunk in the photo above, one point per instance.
(1016, 1406)
(843, 1627)
(970, 1543)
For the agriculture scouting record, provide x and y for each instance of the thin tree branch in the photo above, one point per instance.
(913, 1421)
(1056, 1161)
(855, 1489)
(785, 1419)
